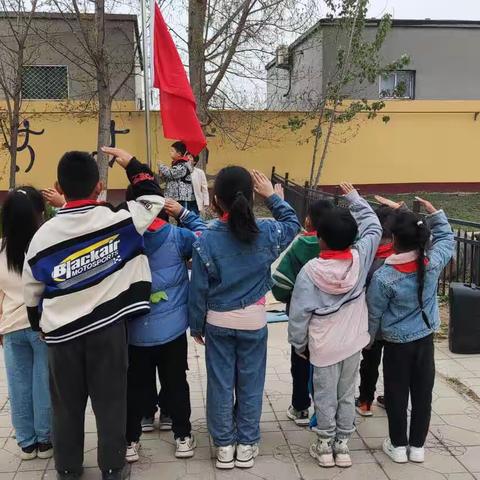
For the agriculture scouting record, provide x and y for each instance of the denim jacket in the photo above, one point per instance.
(392, 296)
(228, 274)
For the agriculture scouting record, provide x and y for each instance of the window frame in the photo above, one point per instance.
(53, 66)
(395, 72)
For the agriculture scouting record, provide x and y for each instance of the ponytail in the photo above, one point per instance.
(423, 235)
(233, 194)
(22, 215)
(241, 219)
(411, 233)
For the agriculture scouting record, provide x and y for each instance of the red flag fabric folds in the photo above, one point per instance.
(177, 103)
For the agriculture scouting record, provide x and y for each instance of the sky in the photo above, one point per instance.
(421, 9)
(400, 9)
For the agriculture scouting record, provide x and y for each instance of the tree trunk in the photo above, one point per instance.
(197, 14)
(14, 121)
(15, 116)
(103, 92)
(103, 132)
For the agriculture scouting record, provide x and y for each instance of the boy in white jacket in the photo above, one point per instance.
(329, 320)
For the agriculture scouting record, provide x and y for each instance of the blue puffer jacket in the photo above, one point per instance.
(392, 296)
(168, 249)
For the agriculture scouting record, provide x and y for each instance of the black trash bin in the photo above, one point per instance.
(464, 328)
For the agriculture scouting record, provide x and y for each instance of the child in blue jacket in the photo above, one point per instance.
(402, 302)
(157, 340)
(230, 278)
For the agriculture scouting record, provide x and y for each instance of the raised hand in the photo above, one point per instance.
(172, 207)
(387, 202)
(429, 208)
(53, 198)
(279, 190)
(122, 157)
(346, 188)
(262, 185)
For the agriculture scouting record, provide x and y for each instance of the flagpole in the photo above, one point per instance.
(146, 86)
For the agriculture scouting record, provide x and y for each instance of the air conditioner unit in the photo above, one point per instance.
(283, 57)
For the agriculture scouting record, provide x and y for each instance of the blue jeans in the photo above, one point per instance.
(236, 363)
(26, 362)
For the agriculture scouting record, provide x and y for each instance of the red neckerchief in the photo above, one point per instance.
(384, 251)
(336, 254)
(311, 233)
(180, 160)
(157, 224)
(409, 267)
(224, 217)
(82, 203)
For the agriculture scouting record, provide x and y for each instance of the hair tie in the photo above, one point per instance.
(419, 223)
(239, 194)
(22, 191)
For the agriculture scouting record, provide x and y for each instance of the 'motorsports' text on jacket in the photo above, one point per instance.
(85, 269)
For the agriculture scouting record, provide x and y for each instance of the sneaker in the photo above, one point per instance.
(342, 453)
(381, 401)
(364, 408)
(246, 455)
(164, 423)
(397, 454)
(301, 418)
(416, 454)
(44, 450)
(67, 475)
(118, 474)
(28, 453)
(225, 457)
(323, 452)
(185, 447)
(132, 455)
(148, 424)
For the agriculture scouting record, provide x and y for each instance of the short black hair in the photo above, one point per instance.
(386, 216)
(77, 174)
(180, 147)
(337, 228)
(317, 209)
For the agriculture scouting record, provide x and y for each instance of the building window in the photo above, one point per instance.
(398, 84)
(45, 82)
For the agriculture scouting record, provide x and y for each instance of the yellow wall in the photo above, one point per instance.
(424, 142)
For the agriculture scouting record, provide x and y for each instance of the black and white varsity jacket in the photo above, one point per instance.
(86, 269)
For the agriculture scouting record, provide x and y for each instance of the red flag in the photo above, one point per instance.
(177, 103)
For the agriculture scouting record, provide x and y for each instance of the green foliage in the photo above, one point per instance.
(358, 64)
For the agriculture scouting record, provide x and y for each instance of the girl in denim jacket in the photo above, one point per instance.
(230, 277)
(402, 301)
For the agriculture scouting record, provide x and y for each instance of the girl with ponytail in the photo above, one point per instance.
(230, 277)
(25, 352)
(402, 302)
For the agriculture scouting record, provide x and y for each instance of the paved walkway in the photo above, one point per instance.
(453, 444)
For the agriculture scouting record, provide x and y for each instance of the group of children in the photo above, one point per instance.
(369, 283)
(108, 291)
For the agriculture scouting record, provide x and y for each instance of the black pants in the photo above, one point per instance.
(171, 361)
(409, 368)
(95, 366)
(369, 371)
(156, 399)
(300, 370)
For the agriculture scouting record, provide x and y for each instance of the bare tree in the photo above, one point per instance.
(16, 51)
(103, 72)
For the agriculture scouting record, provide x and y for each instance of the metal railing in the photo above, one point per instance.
(465, 266)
